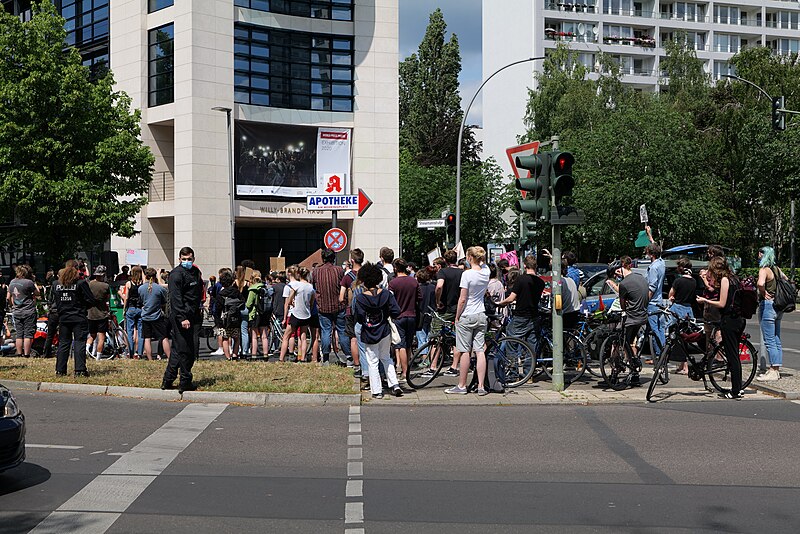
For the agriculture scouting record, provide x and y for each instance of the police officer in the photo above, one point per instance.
(185, 294)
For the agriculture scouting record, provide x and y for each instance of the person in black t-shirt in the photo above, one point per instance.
(448, 290)
(683, 295)
(526, 292)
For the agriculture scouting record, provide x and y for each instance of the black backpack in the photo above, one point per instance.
(745, 297)
(232, 312)
(489, 305)
(785, 295)
(264, 300)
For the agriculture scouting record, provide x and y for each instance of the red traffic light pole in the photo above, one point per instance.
(461, 141)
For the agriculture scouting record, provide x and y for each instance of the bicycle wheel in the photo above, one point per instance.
(211, 339)
(614, 355)
(748, 356)
(515, 358)
(574, 358)
(420, 373)
(660, 372)
(592, 342)
(718, 370)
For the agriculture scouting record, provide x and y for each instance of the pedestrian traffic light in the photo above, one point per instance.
(536, 189)
(450, 222)
(561, 175)
(778, 116)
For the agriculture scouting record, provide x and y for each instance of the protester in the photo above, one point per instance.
(471, 321)
(770, 319)
(572, 270)
(448, 290)
(683, 294)
(526, 293)
(428, 302)
(185, 294)
(123, 276)
(74, 298)
(132, 306)
(22, 295)
(155, 326)
(346, 298)
(408, 295)
(634, 296)
(656, 272)
(99, 314)
(242, 283)
(711, 314)
(570, 298)
(328, 283)
(373, 308)
(298, 314)
(228, 319)
(259, 302)
(386, 259)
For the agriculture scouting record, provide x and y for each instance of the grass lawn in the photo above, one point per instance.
(208, 375)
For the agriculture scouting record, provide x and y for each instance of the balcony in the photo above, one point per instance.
(753, 23)
(644, 42)
(570, 7)
(162, 188)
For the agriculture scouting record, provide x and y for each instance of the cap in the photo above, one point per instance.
(100, 270)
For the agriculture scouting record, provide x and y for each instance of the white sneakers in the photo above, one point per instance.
(771, 375)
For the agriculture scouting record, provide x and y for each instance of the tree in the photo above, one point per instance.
(72, 167)
(430, 105)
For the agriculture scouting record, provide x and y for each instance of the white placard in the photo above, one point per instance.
(643, 214)
(433, 254)
(136, 256)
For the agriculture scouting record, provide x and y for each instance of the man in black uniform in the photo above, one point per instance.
(185, 294)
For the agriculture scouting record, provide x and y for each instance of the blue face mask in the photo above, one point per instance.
(187, 264)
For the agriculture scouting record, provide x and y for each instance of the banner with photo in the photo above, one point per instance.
(286, 161)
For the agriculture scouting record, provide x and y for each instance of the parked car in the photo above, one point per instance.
(12, 431)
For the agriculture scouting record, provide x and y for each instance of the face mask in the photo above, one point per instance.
(187, 264)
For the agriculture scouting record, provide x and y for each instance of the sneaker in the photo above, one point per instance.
(377, 395)
(84, 374)
(455, 390)
(357, 372)
(770, 376)
(428, 374)
(731, 396)
(397, 392)
(482, 392)
(451, 372)
(218, 352)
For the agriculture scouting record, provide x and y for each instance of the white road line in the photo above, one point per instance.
(355, 488)
(355, 409)
(66, 447)
(796, 351)
(101, 502)
(355, 469)
(355, 418)
(354, 440)
(354, 512)
(796, 401)
(355, 428)
(354, 531)
(355, 453)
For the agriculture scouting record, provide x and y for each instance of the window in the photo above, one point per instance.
(86, 21)
(786, 46)
(157, 5)
(726, 43)
(318, 9)
(723, 67)
(160, 65)
(294, 70)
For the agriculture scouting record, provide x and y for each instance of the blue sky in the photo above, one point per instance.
(463, 18)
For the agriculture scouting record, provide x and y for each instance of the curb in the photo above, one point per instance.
(226, 397)
(788, 395)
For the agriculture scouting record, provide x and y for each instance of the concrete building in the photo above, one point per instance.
(298, 75)
(631, 31)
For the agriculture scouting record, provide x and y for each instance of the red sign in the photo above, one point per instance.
(521, 150)
(335, 239)
(334, 184)
(364, 202)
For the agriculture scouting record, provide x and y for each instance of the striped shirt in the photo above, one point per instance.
(327, 280)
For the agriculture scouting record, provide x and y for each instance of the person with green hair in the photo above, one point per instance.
(768, 317)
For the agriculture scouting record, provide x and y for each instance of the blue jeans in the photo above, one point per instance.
(326, 322)
(362, 355)
(770, 322)
(133, 319)
(681, 311)
(658, 325)
(422, 339)
(245, 332)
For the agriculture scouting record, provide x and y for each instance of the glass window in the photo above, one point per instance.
(157, 5)
(318, 9)
(161, 65)
(296, 70)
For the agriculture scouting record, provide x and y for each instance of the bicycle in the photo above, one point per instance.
(574, 356)
(429, 359)
(618, 365)
(685, 335)
(116, 345)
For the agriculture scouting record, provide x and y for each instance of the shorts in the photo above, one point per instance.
(407, 328)
(25, 326)
(350, 326)
(261, 321)
(98, 326)
(631, 331)
(313, 322)
(436, 324)
(296, 323)
(158, 329)
(471, 333)
(228, 333)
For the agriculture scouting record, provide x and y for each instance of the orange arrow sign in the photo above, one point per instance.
(364, 202)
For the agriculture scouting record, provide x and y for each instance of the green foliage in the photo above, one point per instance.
(72, 167)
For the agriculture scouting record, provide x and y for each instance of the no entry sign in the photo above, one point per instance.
(335, 239)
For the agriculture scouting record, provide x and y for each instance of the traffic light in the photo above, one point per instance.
(450, 222)
(563, 182)
(778, 116)
(538, 185)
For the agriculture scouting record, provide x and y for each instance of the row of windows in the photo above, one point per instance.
(86, 21)
(157, 5)
(160, 43)
(318, 9)
(294, 70)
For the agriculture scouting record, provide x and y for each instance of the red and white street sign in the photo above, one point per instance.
(364, 202)
(527, 149)
(335, 239)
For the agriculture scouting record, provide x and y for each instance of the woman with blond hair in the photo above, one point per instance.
(259, 322)
(132, 304)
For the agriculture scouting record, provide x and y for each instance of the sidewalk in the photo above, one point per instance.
(788, 387)
(586, 391)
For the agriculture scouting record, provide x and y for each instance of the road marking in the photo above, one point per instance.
(65, 447)
(101, 502)
(796, 401)
(354, 509)
(796, 351)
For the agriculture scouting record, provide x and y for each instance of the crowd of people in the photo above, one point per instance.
(374, 314)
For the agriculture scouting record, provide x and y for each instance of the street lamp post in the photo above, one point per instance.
(461, 140)
(231, 185)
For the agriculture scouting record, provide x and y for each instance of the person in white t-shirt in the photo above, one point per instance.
(297, 316)
(471, 320)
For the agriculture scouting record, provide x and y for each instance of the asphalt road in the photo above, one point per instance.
(670, 467)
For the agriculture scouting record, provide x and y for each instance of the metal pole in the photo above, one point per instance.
(555, 291)
(791, 241)
(334, 219)
(461, 140)
(232, 188)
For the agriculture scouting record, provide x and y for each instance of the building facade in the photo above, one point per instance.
(312, 89)
(632, 32)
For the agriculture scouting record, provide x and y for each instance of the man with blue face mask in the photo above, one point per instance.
(185, 296)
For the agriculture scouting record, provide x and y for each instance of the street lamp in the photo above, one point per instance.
(461, 139)
(231, 185)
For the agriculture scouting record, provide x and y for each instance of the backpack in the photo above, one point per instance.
(745, 297)
(495, 379)
(232, 312)
(785, 295)
(264, 300)
(389, 274)
(489, 305)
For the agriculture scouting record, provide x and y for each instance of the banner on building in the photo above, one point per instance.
(287, 161)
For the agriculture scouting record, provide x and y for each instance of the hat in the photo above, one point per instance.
(100, 270)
